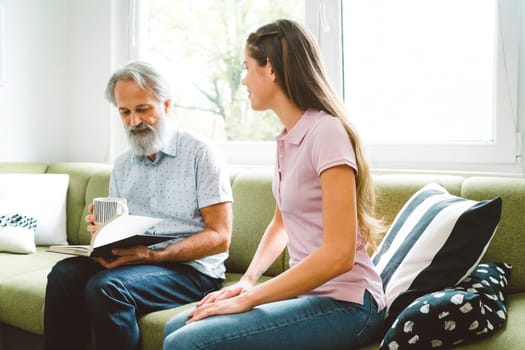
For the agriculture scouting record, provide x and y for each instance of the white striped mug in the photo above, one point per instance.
(105, 208)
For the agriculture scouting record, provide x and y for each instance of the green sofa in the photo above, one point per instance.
(23, 277)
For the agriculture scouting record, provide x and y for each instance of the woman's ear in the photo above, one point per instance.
(269, 69)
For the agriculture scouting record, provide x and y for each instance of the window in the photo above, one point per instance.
(425, 78)
(200, 44)
(430, 84)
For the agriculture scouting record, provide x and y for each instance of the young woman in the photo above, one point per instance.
(331, 297)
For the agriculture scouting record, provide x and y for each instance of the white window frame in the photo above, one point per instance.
(503, 155)
(3, 46)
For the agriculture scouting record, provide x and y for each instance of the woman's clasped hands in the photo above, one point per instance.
(229, 300)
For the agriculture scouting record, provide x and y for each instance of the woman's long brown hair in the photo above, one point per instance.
(296, 60)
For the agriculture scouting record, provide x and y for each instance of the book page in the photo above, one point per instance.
(70, 249)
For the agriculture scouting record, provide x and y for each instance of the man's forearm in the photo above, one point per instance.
(199, 245)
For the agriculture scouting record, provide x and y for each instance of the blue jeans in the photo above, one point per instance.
(299, 323)
(82, 296)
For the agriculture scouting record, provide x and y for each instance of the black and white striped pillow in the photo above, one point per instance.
(434, 242)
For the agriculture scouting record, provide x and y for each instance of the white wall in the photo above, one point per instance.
(89, 54)
(57, 61)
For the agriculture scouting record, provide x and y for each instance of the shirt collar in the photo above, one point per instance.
(170, 147)
(299, 130)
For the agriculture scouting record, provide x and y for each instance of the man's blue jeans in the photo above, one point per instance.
(299, 323)
(81, 296)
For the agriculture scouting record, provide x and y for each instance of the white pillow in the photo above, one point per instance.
(41, 196)
(17, 234)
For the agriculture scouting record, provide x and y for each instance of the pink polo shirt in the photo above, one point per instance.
(317, 142)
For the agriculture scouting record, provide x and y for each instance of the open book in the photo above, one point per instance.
(121, 231)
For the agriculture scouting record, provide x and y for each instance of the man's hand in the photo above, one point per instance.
(128, 256)
(90, 220)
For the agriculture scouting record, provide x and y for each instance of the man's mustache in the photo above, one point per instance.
(140, 127)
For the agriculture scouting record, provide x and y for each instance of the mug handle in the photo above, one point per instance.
(122, 209)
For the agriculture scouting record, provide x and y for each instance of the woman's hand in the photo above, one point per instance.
(232, 305)
(228, 300)
(238, 288)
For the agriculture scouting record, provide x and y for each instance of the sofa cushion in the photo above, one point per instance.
(434, 242)
(42, 196)
(473, 308)
(24, 283)
(17, 234)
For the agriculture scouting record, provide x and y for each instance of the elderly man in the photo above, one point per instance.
(170, 174)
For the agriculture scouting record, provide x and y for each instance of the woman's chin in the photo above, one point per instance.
(256, 107)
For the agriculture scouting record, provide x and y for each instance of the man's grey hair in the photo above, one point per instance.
(145, 75)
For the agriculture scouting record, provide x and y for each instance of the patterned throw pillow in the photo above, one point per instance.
(17, 233)
(435, 241)
(445, 318)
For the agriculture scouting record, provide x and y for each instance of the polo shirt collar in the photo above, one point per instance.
(170, 147)
(299, 130)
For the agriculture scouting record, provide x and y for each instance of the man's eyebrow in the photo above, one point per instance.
(137, 106)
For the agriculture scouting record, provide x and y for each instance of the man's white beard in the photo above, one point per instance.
(150, 142)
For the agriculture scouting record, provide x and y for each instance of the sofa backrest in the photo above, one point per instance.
(86, 181)
(393, 190)
(253, 207)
